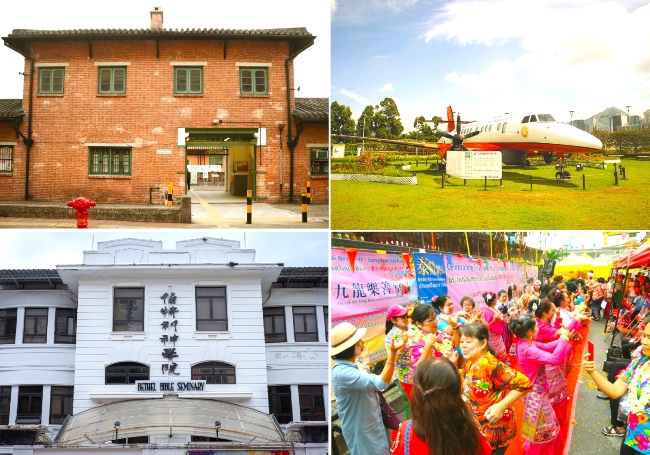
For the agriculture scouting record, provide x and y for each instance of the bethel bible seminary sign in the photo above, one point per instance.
(170, 386)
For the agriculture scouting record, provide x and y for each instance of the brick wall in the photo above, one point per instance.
(147, 118)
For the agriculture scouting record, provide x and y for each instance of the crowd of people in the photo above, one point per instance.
(472, 365)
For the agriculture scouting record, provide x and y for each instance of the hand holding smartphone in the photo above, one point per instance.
(590, 350)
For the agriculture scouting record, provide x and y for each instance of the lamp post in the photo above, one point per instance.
(571, 112)
(217, 425)
(363, 134)
(116, 425)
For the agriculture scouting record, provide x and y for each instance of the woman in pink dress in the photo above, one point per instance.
(540, 426)
(494, 319)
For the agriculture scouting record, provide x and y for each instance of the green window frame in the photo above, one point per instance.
(188, 79)
(111, 80)
(6, 158)
(254, 81)
(109, 161)
(319, 161)
(50, 80)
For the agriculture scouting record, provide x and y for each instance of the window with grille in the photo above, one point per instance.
(274, 326)
(60, 403)
(128, 309)
(30, 404)
(112, 80)
(126, 373)
(6, 158)
(280, 403)
(188, 80)
(320, 162)
(65, 330)
(304, 323)
(8, 321)
(214, 373)
(5, 403)
(110, 161)
(254, 81)
(35, 325)
(50, 80)
(312, 404)
(211, 309)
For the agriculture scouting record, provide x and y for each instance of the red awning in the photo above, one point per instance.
(635, 258)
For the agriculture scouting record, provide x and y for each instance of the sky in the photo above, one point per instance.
(578, 240)
(312, 67)
(486, 58)
(45, 249)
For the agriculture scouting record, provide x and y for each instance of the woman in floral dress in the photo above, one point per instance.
(425, 341)
(490, 387)
(636, 381)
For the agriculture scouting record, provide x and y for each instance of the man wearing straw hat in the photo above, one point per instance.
(356, 391)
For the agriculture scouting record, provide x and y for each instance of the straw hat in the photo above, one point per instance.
(345, 335)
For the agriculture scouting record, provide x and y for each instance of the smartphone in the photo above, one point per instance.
(590, 350)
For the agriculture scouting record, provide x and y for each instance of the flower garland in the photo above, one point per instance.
(638, 404)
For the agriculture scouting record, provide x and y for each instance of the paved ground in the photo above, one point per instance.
(592, 414)
(211, 207)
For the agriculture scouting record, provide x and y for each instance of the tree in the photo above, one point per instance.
(387, 119)
(341, 118)
(365, 124)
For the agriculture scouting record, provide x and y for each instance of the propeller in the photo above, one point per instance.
(456, 139)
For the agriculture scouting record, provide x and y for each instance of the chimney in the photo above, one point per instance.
(156, 17)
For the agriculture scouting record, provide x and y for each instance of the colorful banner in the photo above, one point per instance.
(473, 276)
(364, 284)
(430, 275)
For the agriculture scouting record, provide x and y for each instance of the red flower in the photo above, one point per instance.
(642, 440)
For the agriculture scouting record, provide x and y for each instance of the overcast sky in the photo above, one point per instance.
(489, 57)
(312, 67)
(45, 249)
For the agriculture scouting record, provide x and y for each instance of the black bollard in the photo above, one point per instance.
(623, 169)
(615, 178)
(304, 205)
(531, 183)
(584, 186)
(464, 182)
(443, 179)
(486, 183)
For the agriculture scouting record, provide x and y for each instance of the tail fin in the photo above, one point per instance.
(451, 125)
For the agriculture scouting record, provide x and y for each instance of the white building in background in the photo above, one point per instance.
(174, 349)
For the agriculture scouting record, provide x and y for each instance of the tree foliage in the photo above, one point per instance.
(341, 119)
(625, 141)
(382, 120)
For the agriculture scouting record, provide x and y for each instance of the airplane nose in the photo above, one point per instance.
(594, 142)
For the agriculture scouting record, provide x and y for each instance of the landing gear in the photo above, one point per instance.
(548, 157)
(561, 173)
(526, 164)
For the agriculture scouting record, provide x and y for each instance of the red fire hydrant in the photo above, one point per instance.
(81, 206)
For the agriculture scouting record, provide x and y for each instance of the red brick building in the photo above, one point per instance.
(116, 114)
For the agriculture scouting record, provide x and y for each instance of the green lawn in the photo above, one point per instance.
(550, 205)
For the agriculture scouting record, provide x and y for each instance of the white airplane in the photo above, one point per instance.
(518, 136)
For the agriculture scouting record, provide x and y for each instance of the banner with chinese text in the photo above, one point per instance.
(364, 284)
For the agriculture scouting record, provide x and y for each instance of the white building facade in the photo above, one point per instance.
(179, 351)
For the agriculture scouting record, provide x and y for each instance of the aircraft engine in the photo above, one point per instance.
(514, 157)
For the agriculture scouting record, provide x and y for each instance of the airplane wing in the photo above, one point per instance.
(389, 141)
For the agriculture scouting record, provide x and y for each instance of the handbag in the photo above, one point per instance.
(389, 416)
(623, 408)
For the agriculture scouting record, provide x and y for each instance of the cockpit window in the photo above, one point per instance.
(525, 120)
(503, 130)
(533, 118)
(545, 118)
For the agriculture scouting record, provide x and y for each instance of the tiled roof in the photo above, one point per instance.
(10, 109)
(312, 109)
(164, 32)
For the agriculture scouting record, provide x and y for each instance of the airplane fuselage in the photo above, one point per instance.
(518, 136)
